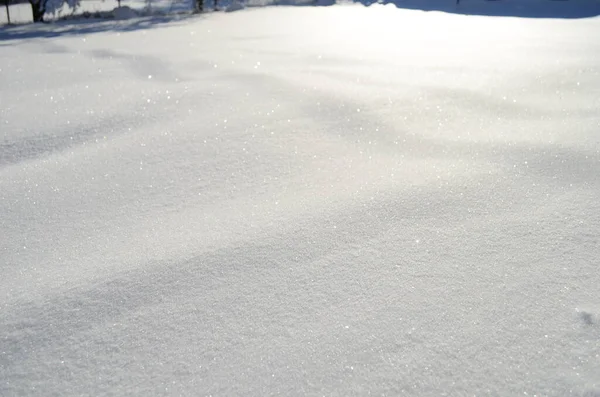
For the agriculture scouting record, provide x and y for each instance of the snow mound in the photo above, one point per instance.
(124, 12)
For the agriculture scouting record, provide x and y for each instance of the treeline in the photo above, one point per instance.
(39, 8)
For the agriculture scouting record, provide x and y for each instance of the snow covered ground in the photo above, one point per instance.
(301, 201)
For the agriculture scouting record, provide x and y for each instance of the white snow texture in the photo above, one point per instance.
(310, 201)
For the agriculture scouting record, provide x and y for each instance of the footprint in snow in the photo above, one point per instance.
(588, 317)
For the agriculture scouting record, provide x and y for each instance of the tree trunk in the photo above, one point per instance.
(38, 9)
(215, 4)
(199, 5)
(6, 3)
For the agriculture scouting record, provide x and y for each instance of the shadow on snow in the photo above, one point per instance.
(85, 26)
(557, 9)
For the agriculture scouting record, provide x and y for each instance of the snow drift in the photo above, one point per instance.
(301, 201)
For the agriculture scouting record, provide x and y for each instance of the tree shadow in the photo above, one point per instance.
(555, 9)
(83, 26)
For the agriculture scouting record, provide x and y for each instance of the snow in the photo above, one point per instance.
(301, 201)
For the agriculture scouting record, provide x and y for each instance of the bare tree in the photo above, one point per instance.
(7, 5)
(38, 9)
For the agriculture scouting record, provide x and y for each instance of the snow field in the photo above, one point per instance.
(301, 201)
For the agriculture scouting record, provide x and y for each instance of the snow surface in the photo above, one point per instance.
(301, 201)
